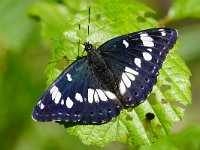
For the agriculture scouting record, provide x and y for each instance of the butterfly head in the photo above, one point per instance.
(88, 47)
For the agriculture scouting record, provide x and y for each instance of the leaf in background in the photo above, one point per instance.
(189, 42)
(16, 29)
(182, 9)
(109, 20)
(188, 139)
(54, 19)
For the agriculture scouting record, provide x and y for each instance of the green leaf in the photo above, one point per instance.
(188, 139)
(131, 126)
(189, 34)
(182, 9)
(16, 29)
(109, 20)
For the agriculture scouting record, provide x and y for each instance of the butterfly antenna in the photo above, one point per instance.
(88, 23)
(60, 40)
(79, 41)
(79, 26)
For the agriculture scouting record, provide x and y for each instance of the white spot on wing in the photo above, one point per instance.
(57, 98)
(127, 69)
(96, 97)
(126, 80)
(148, 43)
(55, 90)
(103, 121)
(146, 40)
(39, 102)
(149, 49)
(125, 43)
(131, 76)
(122, 88)
(69, 103)
(147, 56)
(90, 95)
(110, 95)
(52, 89)
(78, 97)
(163, 33)
(55, 94)
(62, 102)
(41, 106)
(137, 62)
(143, 34)
(102, 95)
(69, 77)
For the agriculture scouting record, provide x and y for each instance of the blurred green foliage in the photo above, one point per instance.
(188, 139)
(23, 58)
(108, 21)
(181, 9)
(16, 29)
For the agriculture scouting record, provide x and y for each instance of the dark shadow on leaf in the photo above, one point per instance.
(59, 1)
(164, 88)
(140, 19)
(177, 104)
(130, 109)
(163, 101)
(158, 128)
(152, 99)
(71, 124)
(129, 118)
(168, 79)
(150, 15)
(62, 63)
(146, 123)
(99, 17)
(34, 17)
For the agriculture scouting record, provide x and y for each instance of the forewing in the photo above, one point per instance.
(136, 58)
(77, 96)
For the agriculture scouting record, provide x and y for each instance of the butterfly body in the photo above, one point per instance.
(100, 69)
(119, 73)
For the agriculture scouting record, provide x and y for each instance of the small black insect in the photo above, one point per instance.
(149, 116)
(119, 73)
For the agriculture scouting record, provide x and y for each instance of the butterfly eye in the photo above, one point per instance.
(88, 46)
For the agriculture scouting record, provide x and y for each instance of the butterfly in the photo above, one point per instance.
(118, 74)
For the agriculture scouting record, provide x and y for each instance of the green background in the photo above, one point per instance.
(24, 55)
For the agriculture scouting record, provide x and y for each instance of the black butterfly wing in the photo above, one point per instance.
(135, 59)
(77, 96)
